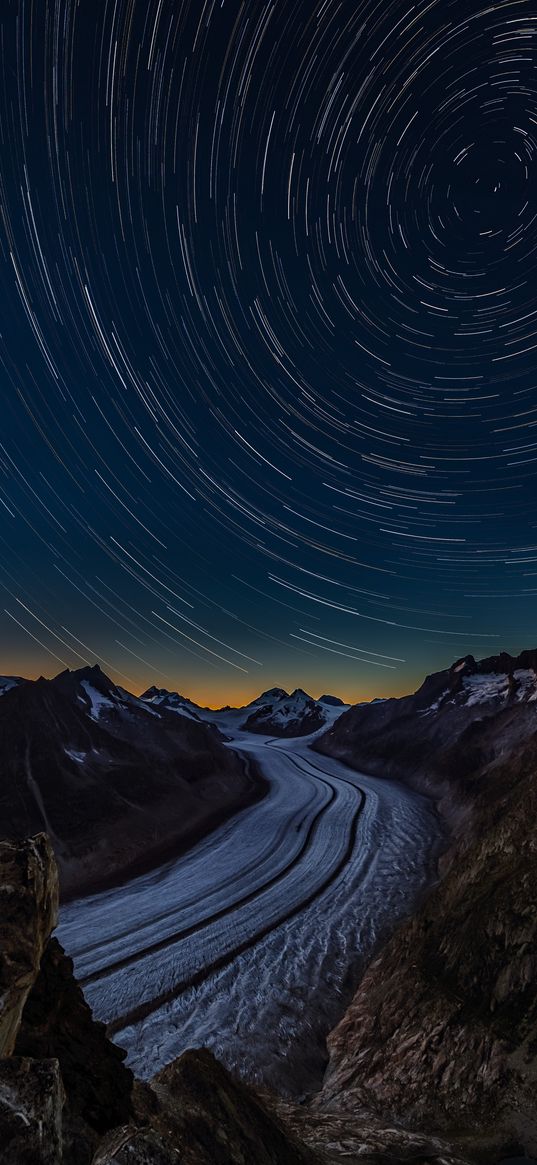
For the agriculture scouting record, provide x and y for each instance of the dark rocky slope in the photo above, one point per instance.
(115, 782)
(442, 1031)
(443, 738)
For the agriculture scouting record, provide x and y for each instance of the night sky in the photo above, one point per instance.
(268, 340)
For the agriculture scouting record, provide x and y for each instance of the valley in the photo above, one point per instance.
(251, 943)
(345, 922)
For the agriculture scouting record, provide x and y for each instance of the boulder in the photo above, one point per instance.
(214, 1119)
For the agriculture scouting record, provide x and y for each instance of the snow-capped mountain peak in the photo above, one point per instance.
(280, 714)
(497, 681)
(173, 701)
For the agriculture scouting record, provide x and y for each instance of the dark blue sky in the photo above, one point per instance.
(268, 340)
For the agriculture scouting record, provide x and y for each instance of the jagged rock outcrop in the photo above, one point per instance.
(28, 912)
(162, 698)
(215, 1120)
(58, 1023)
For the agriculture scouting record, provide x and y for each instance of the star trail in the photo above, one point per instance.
(268, 340)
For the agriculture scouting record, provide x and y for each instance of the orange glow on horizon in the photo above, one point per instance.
(220, 693)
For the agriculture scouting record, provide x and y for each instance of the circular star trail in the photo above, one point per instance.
(269, 339)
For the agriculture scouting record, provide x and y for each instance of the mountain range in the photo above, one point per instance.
(120, 782)
(273, 713)
(116, 782)
(434, 1060)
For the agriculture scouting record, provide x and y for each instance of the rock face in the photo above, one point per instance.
(286, 716)
(65, 1077)
(212, 1119)
(57, 1023)
(443, 1029)
(28, 912)
(117, 783)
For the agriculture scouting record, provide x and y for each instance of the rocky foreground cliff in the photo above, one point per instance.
(442, 1032)
(66, 1097)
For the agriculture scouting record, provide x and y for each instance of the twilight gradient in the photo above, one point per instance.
(269, 340)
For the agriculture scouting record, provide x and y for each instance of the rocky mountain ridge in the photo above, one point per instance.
(114, 781)
(120, 782)
(273, 713)
(442, 738)
(443, 1028)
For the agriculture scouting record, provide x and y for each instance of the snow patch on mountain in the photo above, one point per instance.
(520, 685)
(290, 708)
(527, 684)
(294, 715)
(98, 702)
(9, 682)
(172, 701)
(488, 687)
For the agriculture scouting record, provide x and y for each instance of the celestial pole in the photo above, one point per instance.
(269, 339)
